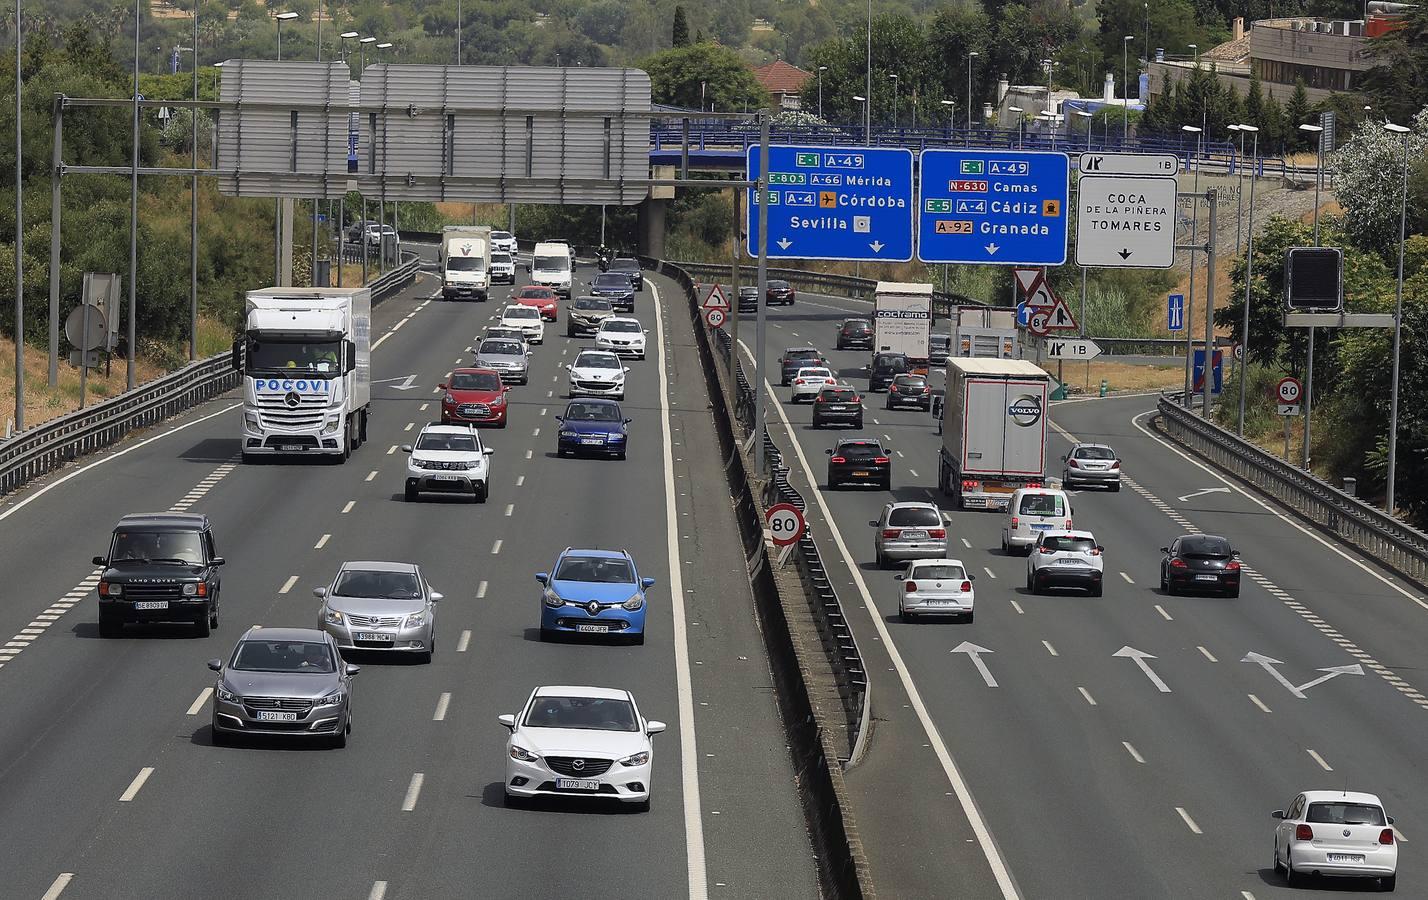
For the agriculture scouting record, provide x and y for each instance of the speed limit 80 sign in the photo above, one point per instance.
(785, 523)
(1288, 390)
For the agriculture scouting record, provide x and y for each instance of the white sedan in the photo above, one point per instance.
(1342, 833)
(527, 320)
(580, 742)
(936, 587)
(808, 381)
(621, 334)
(597, 373)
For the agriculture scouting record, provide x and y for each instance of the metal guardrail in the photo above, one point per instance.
(46, 447)
(1392, 542)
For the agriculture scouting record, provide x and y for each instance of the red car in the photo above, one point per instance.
(474, 396)
(542, 298)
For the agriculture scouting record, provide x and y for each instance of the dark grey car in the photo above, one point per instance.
(510, 359)
(283, 681)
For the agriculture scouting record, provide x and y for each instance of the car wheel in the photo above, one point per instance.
(1388, 883)
(1291, 877)
(878, 559)
(1170, 590)
(560, 452)
(339, 740)
(220, 738)
(570, 332)
(203, 626)
(1233, 593)
(545, 636)
(482, 492)
(638, 639)
(969, 617)
(906, 616)
(1116, 488)
(1035, 585)
(887, 484)
(410, 494)
(501, 424)
(109, 627)
(1277, 865)
(858, 424)
(213, 614)
(643, 805)
(620, 455)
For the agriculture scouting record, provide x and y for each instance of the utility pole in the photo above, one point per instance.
(761, 317)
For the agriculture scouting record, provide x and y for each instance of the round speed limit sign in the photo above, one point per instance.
(785, 523)
(1289, 390)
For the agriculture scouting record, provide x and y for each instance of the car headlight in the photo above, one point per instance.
(499, 401)
(333, 424)
(226, 696)
(416, 619)
(552, 599)
(634, 602)
(637, 759)
(332, 699)
(190, 590)
(251, 418)
(448, 399)
(522, 754)
(333, 617)
(615, 436)
(106, 589)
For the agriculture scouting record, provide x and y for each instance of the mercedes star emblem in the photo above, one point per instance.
(292, 400)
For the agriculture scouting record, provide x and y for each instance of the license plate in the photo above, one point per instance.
(152, 604)
(942, 603)
(914, 535)
(1041, 528)
(446, 478)
(860, 474)
(290, 448)
(374, 636)
(577, 784)
(273, 716)
(592, 440)
(1207, 578)
(1345, 858)
(1068, 562)
(837, 409)
(593, 629)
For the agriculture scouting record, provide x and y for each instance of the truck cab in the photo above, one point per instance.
(465, 262)
(552, 265)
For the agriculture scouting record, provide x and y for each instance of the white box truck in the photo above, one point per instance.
(902, 320)
(465, 262)
(306, 359)
(552, 265)
(994, 421)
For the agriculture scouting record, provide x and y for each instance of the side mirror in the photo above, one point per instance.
(560, 418)
(488, 450)
(349, 353)
(1277, 814)
(1235, 554)
(647, 583)
(508, 719)
(437, 596)
(319, 593)
(216, 665)
(543, 577)
(646, 331)
(442, 385)
(628, 421)
(872, 523)
(528, 267)
(654, 726)
(569, 366)
(899, 577)
(236, 355)
(406, 448)
(218, 561)
(352, 669)
(1063, 458)
(505, 389)
(627, 368)
(829, 451)
(100, 561)
(946, 518)
(971, 577)
(1100, 549)
(1165, 550)
(1390, 820)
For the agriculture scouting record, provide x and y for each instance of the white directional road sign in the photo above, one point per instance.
(1289, 409)
(1128, 164)
(1057, 348)
(1125, 222)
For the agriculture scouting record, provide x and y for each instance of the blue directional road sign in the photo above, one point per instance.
(835, 203)
(1217, 369)
(1175, 312)
(991, 207)
(1023, 314)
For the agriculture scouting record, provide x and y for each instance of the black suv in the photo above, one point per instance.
(795, 358)
(161, 567)
(855, 334)
(886, 367)
(859, 461)
(749, 298)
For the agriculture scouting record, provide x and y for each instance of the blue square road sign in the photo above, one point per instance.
(993, 207)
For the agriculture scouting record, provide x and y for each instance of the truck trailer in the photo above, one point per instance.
(994, 421)
(902, 320)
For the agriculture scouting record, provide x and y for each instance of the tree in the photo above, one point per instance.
(1173, 25)
(1254, 103)
(681, 28)
(1398, 85)
(729, 84)
(1368, 177)
(1296, 113)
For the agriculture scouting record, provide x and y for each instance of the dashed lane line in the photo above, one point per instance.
(58, 885)
(203, 696)
(132, 790)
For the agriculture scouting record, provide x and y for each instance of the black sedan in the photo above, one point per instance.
(859, 461)
(795, 358)
(855, 334)
(909, 390)
(749, 298)
(615, 287)
(630, 266)
(1200, 562)
(780, 292)
(838, 406)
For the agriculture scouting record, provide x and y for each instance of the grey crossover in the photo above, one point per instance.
(1092, 464)
(283, 681)
(909, 531)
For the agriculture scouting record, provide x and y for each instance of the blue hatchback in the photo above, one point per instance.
(593, 592)
(592, 426)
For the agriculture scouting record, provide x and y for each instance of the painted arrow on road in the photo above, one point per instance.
(407, 382)
(974, 653)
(1201, 493)
(1140, 657)
(1268, 663)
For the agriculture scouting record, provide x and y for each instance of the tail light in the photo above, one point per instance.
(829, 381)
(1177, 563)
(1303, 833)
(1116, 464)
(1034, 484)
(881, 460)
(1045, 550)
(1095, 551)
(104, 589)
(1015, 520)
(1068, 524)
(1232, 566)
(911, 586)
(891, 532)
(966, 586)
(1075, 464)
(838, 459)
(203, 589)
(970, 485)
(938, 533)
(1385, 837)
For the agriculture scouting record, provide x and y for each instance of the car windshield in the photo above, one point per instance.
(941, 340)
(814, 373)
(592, 303)
(271, 355)
(307, 657)
(1095, 453)
(590, 713)
(597, 361)
(521, 312)
(441, 440)
(611, 280)
(623, 327)
(1205, 548)
(465, 263)
(937, 570)
(377, 585)
(592, 412)
(1041, 505)
(625, 265)
(1066, 544)
(917, 515)
(598, 569)
(148, 546)
(501, 348)
(839, 395)
(547, 263)
(500, 235)
(1345, 813)
(916, 381)
(778, 285)
(748, 291)
(860, 450)
(475, 381)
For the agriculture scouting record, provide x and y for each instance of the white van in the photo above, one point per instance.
(1032, 511)
(551, 266)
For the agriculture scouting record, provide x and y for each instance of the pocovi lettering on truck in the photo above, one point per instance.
(301, 385)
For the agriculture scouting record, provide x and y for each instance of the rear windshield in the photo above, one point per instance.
(838, 396)
(1345, 813)
(1205, 548)
(858, 326)
(860, 450)
(896, 363)
(1095, 453)
(912, 380)
(938, 570)
(920, 515)
(778, 285)
(801, 354)
(1042, 505)
(475, 381)
(1071, 544)
(809, 372)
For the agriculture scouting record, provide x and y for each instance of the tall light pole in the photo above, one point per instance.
(864, 101)
(1146, 14)
(283, 17)
(971, 55)
(1397, 320)
(868, 92)
(458, 32)
(951, 115)
(893, 79)
(362, 64)
(1195, 49)
(278, 203)
(344, 37)
(1125, 74)
(129, 334)
(20, 229)
(1249, 282)
(821, 70)
(1194, 239)
(1018, 110)
(1240, 213)
(385, 45)
(193, 206)
(1309, 352)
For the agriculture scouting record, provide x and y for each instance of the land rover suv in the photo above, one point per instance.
(161, 567)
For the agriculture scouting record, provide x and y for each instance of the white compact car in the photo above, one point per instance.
(448, 459)
(580, 742)
(597, 373)
(1343, 833)
(936, 587)
(1033, 510)
(808, 381)
(1065, 559)
(623, 335)
(527, 319)
(504, 241)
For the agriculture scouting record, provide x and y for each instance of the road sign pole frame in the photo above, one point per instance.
(1213, 197)
(760, 327)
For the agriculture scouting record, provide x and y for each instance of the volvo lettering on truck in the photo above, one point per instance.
(306, 359)
(994, 422)
(465, 262)
(551, 266)
(902, 320)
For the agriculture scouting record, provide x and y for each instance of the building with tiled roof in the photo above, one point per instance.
(784, 82)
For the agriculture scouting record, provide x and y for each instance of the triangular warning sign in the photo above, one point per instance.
(716, 299)
(1041, 296)
(1027, 278)
(1060, 318)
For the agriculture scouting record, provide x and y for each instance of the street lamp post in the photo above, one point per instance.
(1194, 240)
(1397, 321)
(362, 64)
(458, 32)
(868, 92)
(343, 38)
(278, 203)
(863, 100)
(1018, 110)
(951, 115)
(821, 70)
(971, 55)
(20, 225)
(1125, 74)
(893, 79)
(1309, 352)
(1087, 116)
(385, 45)
(283, 17)
(1249, 282)
(1240, 213)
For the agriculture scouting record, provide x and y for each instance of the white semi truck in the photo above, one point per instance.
(994, 421)
(902, 320)
(306, 359)
(465, 262)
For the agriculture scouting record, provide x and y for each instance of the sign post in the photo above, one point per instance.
(989, 207)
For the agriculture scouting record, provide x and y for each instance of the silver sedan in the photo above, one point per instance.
(1094, 464)
(283, 681)
(509, 358)
(380, 606)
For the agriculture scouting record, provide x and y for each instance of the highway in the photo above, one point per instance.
(113, 788)
(1067, 770)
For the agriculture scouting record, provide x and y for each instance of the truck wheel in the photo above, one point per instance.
(203, 626)
(364, 426)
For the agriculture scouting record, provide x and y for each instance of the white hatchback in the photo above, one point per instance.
(621, 334)
(527, 320)
(1033, 510)
(808, 381)
(936, 587)
(1065, 559)
(597, 373)
(1343, 833)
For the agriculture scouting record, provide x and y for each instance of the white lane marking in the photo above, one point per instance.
(1017, 606)
(1160, 609)
(372, 474)
(913, 473)
(1208, 655)
(348, 508)
(481, 590)
(378, 892)
(441, 704)
(688, 745)
(203, 696)
(58, 885)
(464, 642)
(496, 547)
(1128, 579)
(959, 784)
(413, 792)
(1050, 649)
(1087, 694)
(1246, 895)
(899, 454)
(1319, 759)
(133, 789)
(535, 433)
(1189, 822)
(510, 508)
(410, 426)
(990, 573)
(322, 542)
(1258, 702)
(544, 410)
(529, 454)
(1135, 754)
(423, 407)
(392, 449)
(520, 480)
(966, 543)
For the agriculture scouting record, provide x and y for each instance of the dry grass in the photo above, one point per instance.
(43, 402)
(1085, 378)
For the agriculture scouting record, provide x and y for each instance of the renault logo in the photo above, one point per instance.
(579, 765)
(592, 607)
(292, 400)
